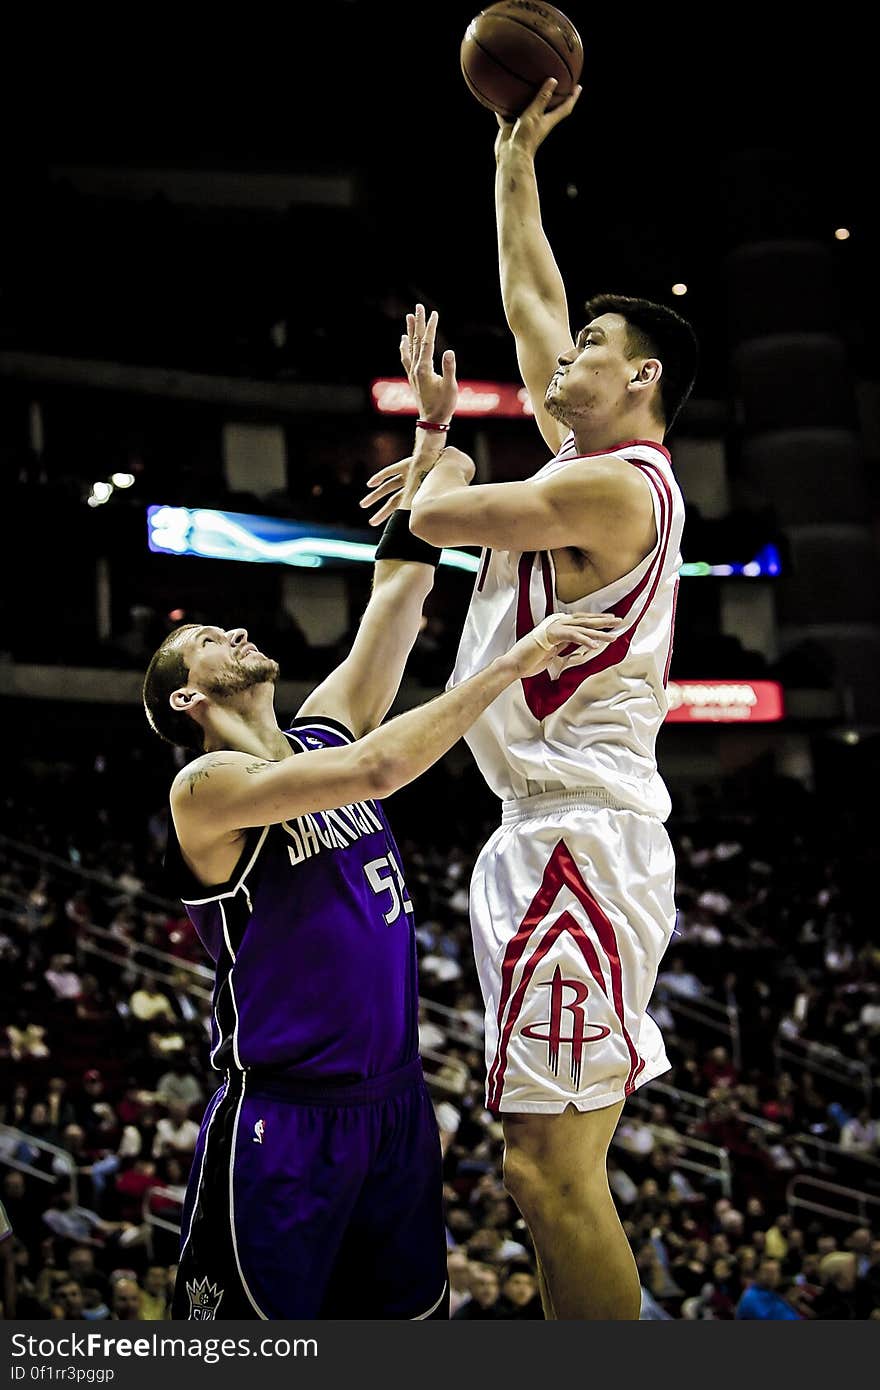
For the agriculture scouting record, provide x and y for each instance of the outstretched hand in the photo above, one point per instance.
(399, 482)
(436, 395)
(562, 639)
(532, 127)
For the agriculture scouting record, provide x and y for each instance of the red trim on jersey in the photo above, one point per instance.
(547, 576)
(615, 448)
(487, 555)
(542, 694)
(561, 871)
(671, 634)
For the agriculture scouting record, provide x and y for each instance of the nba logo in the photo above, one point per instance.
(259, 1131)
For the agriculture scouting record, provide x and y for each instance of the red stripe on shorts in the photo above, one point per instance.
(561, 871)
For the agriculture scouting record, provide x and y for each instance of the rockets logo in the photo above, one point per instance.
(204, 1300)
(580, 1032)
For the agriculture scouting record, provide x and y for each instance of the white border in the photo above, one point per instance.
(420, 1317)
(202, 1169)
(235, 1055)
(230, 893)
(244, 1283)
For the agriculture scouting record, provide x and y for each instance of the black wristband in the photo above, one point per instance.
(399, 543)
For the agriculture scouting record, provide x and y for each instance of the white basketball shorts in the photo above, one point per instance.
(572, 908)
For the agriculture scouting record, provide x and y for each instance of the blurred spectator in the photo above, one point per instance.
(154, 1305)
(520, 1299)
(762, 1299)
(176, 1133)
(69, 1293)
(861, 1134)
(680, 981)
(459, 1273)
(838, 1275)
(483, 1303)
(148, 1003)
(179, 1084)
(126, 1300)
(62, 980)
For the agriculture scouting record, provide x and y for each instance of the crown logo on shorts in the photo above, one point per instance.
(204, 1300)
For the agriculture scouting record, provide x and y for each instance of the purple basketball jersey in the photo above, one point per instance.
(312, 938)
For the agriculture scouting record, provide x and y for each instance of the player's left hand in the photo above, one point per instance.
(399, 482)
(436, 395)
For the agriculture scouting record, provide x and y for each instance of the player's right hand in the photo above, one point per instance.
(563, 635)
(531, 129)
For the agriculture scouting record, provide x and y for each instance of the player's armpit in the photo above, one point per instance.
(600, 503)
(222, 793)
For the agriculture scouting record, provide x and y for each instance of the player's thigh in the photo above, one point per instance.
(570, 918)
(393, 1263)
(294, 1177)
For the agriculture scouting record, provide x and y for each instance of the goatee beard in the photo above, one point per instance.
(554, 408)
(244, 676)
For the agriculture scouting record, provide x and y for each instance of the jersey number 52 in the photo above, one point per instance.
(384, 876)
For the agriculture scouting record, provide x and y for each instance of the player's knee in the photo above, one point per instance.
(524, 1179)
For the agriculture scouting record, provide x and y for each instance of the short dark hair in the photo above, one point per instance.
(656, 331)
(166, 673)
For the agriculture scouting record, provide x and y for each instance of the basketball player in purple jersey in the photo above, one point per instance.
(572, 899)
(316, 1187)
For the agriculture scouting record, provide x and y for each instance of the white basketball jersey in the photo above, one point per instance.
(595, 722)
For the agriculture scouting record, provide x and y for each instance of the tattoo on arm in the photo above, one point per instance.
(200, 774)
(257, 767)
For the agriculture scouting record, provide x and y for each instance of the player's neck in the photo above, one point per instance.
(594, 437)
(247, 726)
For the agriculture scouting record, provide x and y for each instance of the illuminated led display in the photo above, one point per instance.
(724, 702)
(274, 540)
(265, 539)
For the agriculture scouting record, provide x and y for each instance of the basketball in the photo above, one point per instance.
(512, 47)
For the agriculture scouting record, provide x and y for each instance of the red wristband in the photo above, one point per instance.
(431, 425)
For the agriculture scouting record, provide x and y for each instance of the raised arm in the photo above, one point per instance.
(531, 285)
(360, 692)
(362, 689)
(221, 794)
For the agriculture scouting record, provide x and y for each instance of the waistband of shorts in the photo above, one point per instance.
(525, 807)
(267, 1081)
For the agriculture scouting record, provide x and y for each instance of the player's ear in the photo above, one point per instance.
(185, 699)
(648, 373)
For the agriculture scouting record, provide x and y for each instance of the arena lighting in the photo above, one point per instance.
(679, 289)
(477, 399)
(122, 479)
(765, 565)
(842, 234)
(101, 491)
(724, 702)
(219, 535)
(265, 540)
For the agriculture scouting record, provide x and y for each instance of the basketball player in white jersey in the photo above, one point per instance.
(572, 898)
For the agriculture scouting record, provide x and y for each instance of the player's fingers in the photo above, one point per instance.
(564, 109)
(597, 620)
(449, 367)
(392, 485)
(539, 103)
(405, 353)
(427, 350)
(384, 512)
(391, 470)
(566, 635)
